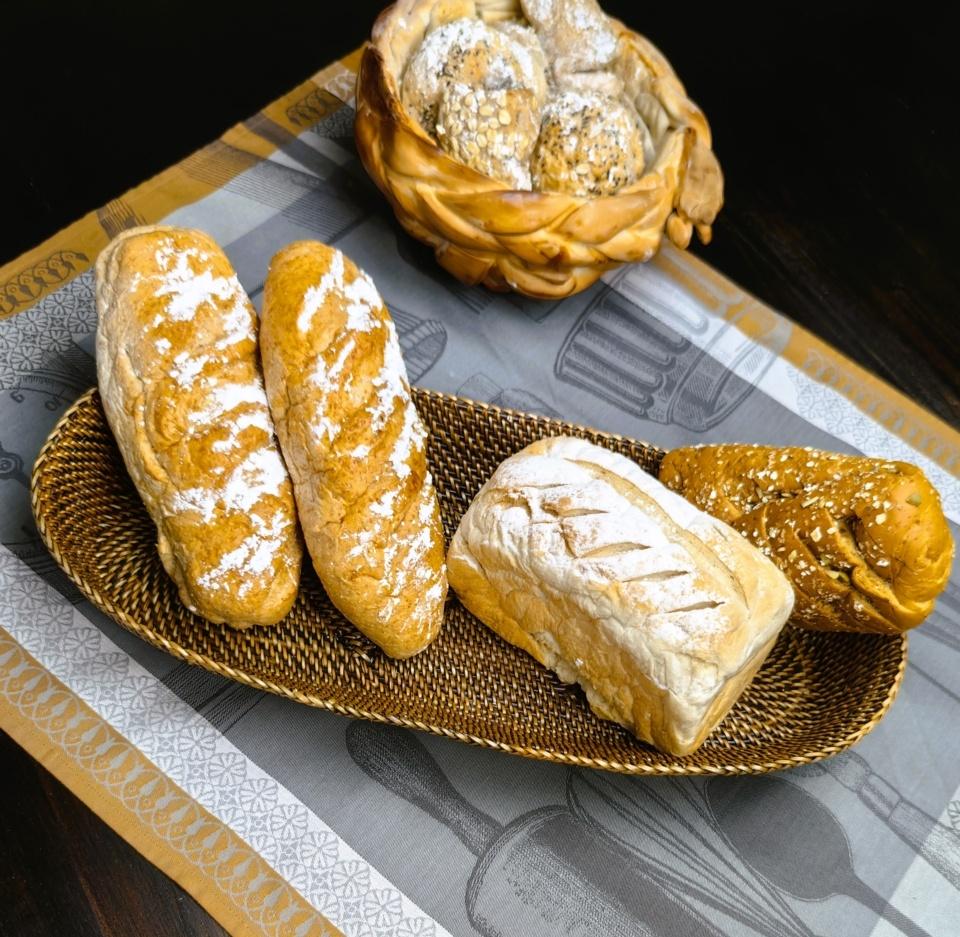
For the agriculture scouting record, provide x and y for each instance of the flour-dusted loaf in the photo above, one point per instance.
(355, 446)
(661, 613)
(864, 541)
(182, 390)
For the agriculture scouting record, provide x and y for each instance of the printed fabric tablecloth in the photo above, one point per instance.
(282, 819)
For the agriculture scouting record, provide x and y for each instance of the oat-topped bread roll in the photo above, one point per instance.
(470, 52)
(490, 131)
(661, 613)
(864, 541)
(182, 390)
(355, 446)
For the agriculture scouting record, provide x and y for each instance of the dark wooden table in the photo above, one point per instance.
(834, 125)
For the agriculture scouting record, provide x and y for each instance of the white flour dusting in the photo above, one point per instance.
(315, 296)
(383, 506)
(187, 289)
(186, 367)
(390, 383)
(361, 298)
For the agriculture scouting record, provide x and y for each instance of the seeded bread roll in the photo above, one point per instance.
(181, 387)
(576, 34)
(661, 613)
(355, 446)
(472, 53)
(589, 144)
(864, 541)
(490, 131)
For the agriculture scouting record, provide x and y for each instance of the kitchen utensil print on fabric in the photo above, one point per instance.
(422, 341)
(651, 366)
(11, 467)
(482, 388)
(545, 872)
(25, 543)
(943, 626)
(475, 298)
(666, 824)
(772, 824)
(935, 842)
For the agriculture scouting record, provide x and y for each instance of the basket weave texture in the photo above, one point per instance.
(538, 243)
(817, 694)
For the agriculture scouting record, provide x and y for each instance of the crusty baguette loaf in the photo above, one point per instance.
(661, 613)
(864, 541)
(355, 446)
(181, 387)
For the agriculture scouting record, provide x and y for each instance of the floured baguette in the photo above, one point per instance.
(355, 446)
(864, 541)
(181, 387)
(661, 613)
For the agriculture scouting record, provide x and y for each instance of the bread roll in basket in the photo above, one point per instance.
(537, 243)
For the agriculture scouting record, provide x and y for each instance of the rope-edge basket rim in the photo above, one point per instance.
(678, 768)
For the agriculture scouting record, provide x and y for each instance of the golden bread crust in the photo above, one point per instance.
(181, 387)
(864, 541)
(355, 446)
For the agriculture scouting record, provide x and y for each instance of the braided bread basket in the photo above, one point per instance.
(542, 244)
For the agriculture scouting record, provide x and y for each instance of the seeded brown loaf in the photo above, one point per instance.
(660, 612)
(864, 541)
(355, 446)
(181, 387)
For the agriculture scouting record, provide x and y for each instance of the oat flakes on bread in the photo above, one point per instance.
(660, 612)
(491, 131)
(180, 382)
(864, 541)
(470, 52)
(355, 446)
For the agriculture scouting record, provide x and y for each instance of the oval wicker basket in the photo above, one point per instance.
(542, 244)
(817, 693)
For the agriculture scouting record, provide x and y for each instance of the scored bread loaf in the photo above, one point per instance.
(864, 541)
(661, 613)
(181, 387)
(355, 446)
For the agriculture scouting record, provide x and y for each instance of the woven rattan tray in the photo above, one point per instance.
(817, 694)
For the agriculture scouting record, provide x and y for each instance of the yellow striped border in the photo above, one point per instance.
(134, 797)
